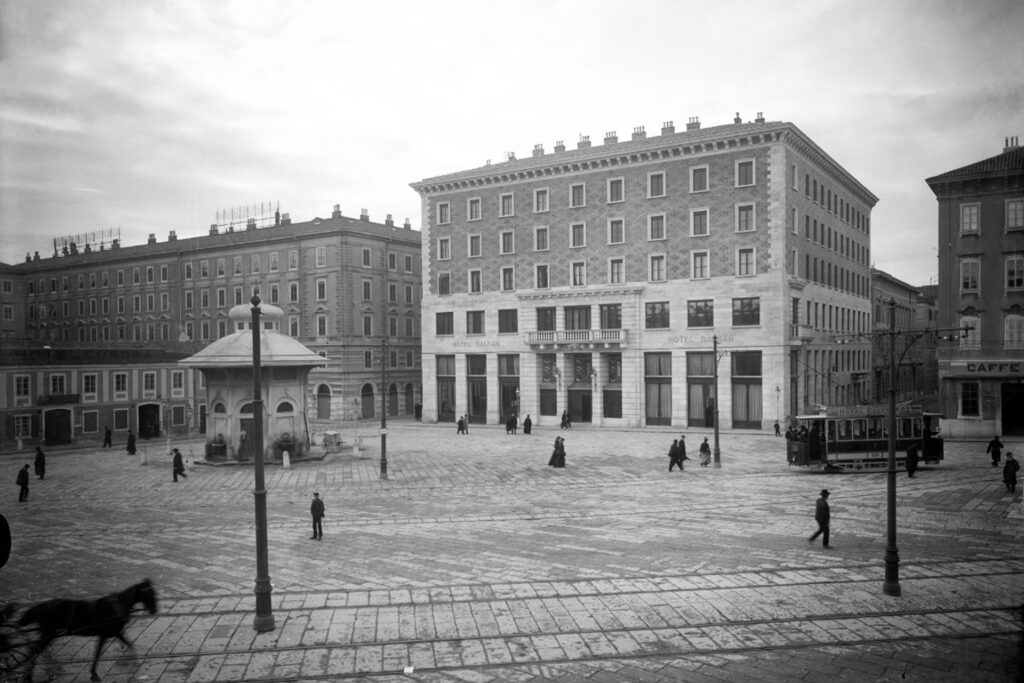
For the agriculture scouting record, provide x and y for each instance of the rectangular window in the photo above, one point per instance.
(970, 275)
(577, 195)
(700, 313)
(321, 257)
(970, 338)
(508, 320)
(367, 325)
(506, 205)
(616, 231)
(293, 292)
(272, 267)
(656, 315)
(473, 211)
(508, 279)
(508, 242)
(698, 222)
(321, 325)
(744, 217)
(970, 218)
(89, 386)
(656, 184)
(1013, 331)
(444, 248)
(238, 296)
(254, 263)
(616, 271)
(745, 262)
(177, 383)
(744, 172)
(578, 269)
(408, 264)
(540, 276)
(392, 293)
(578, 235)
(699, 265)
(611, 316)
(275, 293)
(237, 265)
(367, 257)
(656, 227)
(222, 299)
(475, 281)
(540, 239)
(699, 179)
(474, 246)
(445, 324)
(293, 259)
(615, 190)
(546, 319)
(540, 200)
(746, 311)
(970, 399)
(656, 268)
(1015, 272)
(474, 322)
(204, 298)
(444, 213)
(1015, 214)
(321, 290)
(444, 284)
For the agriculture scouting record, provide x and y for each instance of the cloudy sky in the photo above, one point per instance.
(153, 115)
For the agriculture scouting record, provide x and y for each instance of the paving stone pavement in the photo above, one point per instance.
(476, 562)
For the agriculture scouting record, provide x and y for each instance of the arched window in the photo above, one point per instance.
(323, 402)
(246, 409)
(368, 402)
(219, 408)
(1013, 331)
(285, 407)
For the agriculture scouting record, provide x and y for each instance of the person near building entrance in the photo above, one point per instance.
(178, 465)
(912, 459)
(705, 453)
(995, 449)
(40, 463)
(108, 437)
(566, 422)
(822, 517)
(778, 429)
(316, 509)
(131, 443)
(1010, 472)
(23, 484)
(527, 424)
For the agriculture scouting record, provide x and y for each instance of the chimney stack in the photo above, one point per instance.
(693, 123)
(389, 220)
(286, 219)
(668, 128)
(610, 137)
(337, 211)
(151, 240)
(1011, 143)
(407, 225)
(364, 215)
(559, 147)
(36, 258)
(510, 156)
(538, 150)
(213, 229)
(250, 224)
(28, 257)
(584, 142)
(760, 117)
(737, 120)
(172, 237)
(639, 133)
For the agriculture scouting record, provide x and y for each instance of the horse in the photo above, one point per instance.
(105, 618)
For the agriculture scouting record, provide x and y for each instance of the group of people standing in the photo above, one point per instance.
(677, 453)
(1010, 469)
(39, 465)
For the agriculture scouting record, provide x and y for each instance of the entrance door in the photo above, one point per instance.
(509, 402)
(245, 438)
(149, 421)
(58, 427)
(1012, 398)
(478, 400)
(580, 402)
(659, 402)
(446, 399)
(701, 405)
(367, 401)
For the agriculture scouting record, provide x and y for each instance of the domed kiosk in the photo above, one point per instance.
(227, 365)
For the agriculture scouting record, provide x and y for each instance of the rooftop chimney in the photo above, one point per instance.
(337, 211)
(610, 137)
(250, 224)
(116, 244)
(1010, 144)
(152, 238)
(737, 120)
(584, 142)
(172, 237)
(286, 219)
(510, 156)
(407, 225)
(760, 117)
(389, 220)
(28, 257)
(639, 133)
(88, 248)
(693, 123)
(36, 257)
(364, 215)
(559, 147)
(538, 150)
(668, 128)
(213, 229)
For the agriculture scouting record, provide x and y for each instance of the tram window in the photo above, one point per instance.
(874, 428)
(903, 429)
(831, 430)
(844, 430)
(917, 427)
(858, 429)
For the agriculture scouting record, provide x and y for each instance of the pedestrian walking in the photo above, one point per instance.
(527, 424)
(673, 455)
(566, 423)
(178, 465)
(778, 430)
(1010, 472)
(514, 421)
(130, 447)
(108, 437)
(40, 463)
(822, 517)
(682, 450)
(316, 510)
(465, 424)
(459, 425)
(705, 453)
(23, 484)
(912, 459)
(995, 448)
(558, 454)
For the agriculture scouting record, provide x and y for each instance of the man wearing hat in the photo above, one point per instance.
(317, 510)
(821, 516)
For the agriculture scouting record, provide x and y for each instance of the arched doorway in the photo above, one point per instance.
(367, 396)
(409, 407)
(149, 420)
(57, 426)
(245, 420)
(323, 402)
(393, 399)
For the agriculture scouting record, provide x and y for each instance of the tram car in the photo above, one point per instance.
(856, 439)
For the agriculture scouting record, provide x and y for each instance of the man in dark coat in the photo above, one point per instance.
(673, 456)
(822, 517)
(23, 484)
(40, 463)
(912, 459)
(130, 447)
(108, 437)
(1010, 472)
(316, 509)
(178, 465)
(995, 447)
(527, 425)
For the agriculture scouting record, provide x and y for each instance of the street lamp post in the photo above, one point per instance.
(384, 407)
(264, 620)
(891, 586)
(717, 453)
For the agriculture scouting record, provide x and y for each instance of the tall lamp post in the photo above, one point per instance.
(384, 406)
(264, 620)
(891, 586)
(717, 453)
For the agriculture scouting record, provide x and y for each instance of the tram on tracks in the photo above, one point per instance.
(856, 438)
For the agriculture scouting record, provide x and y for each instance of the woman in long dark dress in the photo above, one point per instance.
(40, 463)
(558, 454)
(131, 443)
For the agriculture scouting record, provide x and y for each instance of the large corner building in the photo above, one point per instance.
(599, 280)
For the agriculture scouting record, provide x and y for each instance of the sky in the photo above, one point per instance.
(148, 116)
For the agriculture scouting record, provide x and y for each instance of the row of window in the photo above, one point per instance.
(1013, 331)
(1013, 274)
(833, 240)
(831, 201)
(700, 313)
(1013, 216)
(57, 383)
(656, 186)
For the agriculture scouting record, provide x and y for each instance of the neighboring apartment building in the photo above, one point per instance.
(349, 289)
(915, 341)
(981, 292)
(596, 280)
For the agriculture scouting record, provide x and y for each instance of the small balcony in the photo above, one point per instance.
(578, 339)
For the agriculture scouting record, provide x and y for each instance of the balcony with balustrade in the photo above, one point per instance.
(578, 339)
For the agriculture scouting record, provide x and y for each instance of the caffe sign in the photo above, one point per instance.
(988, 368)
